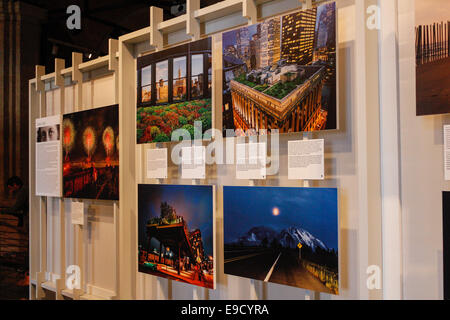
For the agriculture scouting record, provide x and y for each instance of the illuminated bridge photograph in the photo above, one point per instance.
(281, 74)
(176, 233)
(287, 236)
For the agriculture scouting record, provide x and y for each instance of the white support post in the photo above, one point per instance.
(250, 11)
(113, 48)
(116, 242)
(41, 275)
(40, 279)
(307, 4)
(196, 291)
(127, 216)
(59, 287)
(59, 65)
(310, 294)
(253, 283)
(156, 36)
(60, 283)
(367, 146)
(113, 65)
(192, 24)
(34, 203)
(77, 76)
(390, 172)
(39, 72)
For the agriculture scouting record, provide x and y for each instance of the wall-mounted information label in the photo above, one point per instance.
(306, 159)
(77, 213)
(48, 156)
(157, 163)
(193, 162)
(251, 161)
(447, 151)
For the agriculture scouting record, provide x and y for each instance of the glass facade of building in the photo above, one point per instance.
(182, 73)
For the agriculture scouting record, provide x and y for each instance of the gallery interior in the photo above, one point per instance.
(225, 150)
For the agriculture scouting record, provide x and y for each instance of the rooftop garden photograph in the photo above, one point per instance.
(156, 123)
(278, 90)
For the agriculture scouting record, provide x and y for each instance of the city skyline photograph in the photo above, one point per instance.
(281, 73)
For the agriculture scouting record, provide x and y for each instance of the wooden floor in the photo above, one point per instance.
(13, 259)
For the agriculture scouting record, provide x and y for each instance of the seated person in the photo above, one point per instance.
(20, 193)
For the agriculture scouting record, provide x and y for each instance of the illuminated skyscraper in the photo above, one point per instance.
(243, 45)
(326, 27)
(269, 42)
(298, 36)
(274, 41)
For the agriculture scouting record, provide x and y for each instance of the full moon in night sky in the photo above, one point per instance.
(276, 211)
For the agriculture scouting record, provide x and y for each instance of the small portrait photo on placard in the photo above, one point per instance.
(48, 133)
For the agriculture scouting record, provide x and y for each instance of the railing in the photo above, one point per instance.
(76, 182)
(432, 42)
(329, 278)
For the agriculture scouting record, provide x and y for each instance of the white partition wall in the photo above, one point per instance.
(388, 190)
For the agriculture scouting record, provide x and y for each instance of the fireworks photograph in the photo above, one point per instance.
(174, 91)
(432, 57)
(91, 154)
(282, 235)
(175, 233)
(281, 74)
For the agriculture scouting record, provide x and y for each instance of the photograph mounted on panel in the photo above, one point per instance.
(283, 235)
(432, 57)
(91, 154)
(176, 239)
(446, 244)
(281, 73)
(173, 91)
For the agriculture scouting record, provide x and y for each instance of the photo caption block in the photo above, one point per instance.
(77, 213)
(157, 163)
(447, 151)
(306, 159)
(251, 161)
(48, 156)
(193, 164)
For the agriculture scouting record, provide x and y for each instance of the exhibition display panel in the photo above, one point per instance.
(250, 149)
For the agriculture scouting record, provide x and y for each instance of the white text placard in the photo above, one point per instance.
(447, 151)
(48, 156)
(157, 163)
(193, 162)
(251, 161)
(306, 159)
(77, 212)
